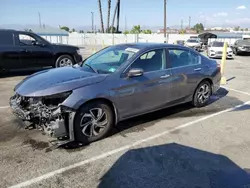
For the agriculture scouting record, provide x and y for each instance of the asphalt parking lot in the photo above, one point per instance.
(175, 147)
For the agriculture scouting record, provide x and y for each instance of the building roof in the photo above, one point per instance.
(220, 35)
(48, 31)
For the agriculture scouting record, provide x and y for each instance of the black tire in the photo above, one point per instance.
(62, 57)
(85, 111)
(236, 52)
(198, 102)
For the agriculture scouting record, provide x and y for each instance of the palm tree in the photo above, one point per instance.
(100, 10)
(109, 7)
(113, 22)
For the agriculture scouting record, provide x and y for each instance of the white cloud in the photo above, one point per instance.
(242, 7)
(221, 14)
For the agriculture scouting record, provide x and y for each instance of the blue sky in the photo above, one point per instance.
(76, 13)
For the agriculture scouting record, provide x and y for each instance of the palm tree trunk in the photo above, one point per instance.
(100, 10)
(113, 22)
(109, 7)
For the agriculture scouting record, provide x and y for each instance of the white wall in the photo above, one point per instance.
(82, 39)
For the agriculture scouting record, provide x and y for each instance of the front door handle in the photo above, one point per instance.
(165, 76)
(197, 69)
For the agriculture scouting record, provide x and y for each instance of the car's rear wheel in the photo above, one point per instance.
(64, 60)
(93, 122)
(202, 94)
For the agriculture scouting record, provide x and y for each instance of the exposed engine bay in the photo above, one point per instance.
(46, 113)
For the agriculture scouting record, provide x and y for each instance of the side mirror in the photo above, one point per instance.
(135, 72)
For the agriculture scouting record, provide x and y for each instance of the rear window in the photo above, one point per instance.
(192, 41)
(6, 38)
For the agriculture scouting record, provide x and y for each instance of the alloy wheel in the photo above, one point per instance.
(93, 122)
(65, 62)
(204, 93)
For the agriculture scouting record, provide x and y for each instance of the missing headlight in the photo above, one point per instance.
(56, 99)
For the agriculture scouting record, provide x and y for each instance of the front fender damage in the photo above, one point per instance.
(47, 114)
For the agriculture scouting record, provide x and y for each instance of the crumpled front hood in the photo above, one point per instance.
(57, 80)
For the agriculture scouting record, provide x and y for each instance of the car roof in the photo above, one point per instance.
(148, 45)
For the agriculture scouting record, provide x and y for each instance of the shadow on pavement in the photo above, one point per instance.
(179, 111)
(174, 166)
(140, 123)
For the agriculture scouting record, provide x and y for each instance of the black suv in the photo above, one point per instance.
(241, 46)
(21, 50)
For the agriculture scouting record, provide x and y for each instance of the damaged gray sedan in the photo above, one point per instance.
(82, 103)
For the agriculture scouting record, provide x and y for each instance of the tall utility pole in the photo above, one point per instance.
(118, 15)
(92, 18)
(189, 24)
(40, 22)
(165, 21)
(125, 23)
(181, 24)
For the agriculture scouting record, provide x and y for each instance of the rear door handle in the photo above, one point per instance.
(198, 69)
(24, 50)
(165, 76)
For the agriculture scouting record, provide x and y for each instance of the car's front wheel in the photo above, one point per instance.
(202, 94)
(64, 60)
(93, 122)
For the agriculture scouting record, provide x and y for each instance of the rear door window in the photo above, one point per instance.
(6, 38)
(182, 58)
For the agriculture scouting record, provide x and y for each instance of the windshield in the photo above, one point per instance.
(109, 59)
(218, 44)
(192, 41)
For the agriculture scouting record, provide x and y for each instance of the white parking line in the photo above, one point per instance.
(3, 107)
(238, 91)
(124, 148)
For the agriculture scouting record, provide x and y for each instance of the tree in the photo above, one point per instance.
(246, 29)
(198, 27)
(182, 31)
(65, 28)
(108, 19)
(147, 31)
(136, 29)
(81, 31)
(111, 29)
(101, 18)
(237, 28)
(126, 32)
(73, 30)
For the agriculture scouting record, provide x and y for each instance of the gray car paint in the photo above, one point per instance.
(129, 96)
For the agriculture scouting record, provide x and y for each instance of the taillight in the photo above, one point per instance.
(218, 67)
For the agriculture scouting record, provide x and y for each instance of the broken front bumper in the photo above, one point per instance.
(56, 121)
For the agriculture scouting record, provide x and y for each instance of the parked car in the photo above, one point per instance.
(194, 43)
(180, 42)
(20, 50)
(84, 102)
(241, 47)
(215, 50)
